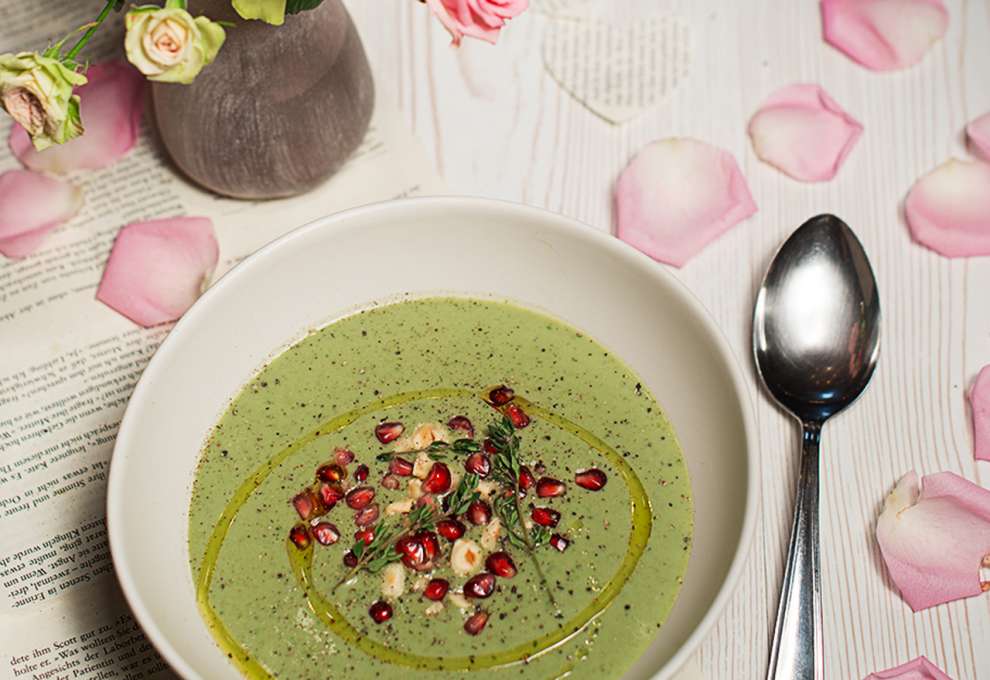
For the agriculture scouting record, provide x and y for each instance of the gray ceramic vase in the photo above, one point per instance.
(280, 109)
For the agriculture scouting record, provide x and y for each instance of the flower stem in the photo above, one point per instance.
(91, 30)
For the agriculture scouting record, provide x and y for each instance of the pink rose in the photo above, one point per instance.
(475, 18)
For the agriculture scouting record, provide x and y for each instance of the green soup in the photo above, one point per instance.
(587, 595)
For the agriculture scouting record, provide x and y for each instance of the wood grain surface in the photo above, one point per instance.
(496, 124)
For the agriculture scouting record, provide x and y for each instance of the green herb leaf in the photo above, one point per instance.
(464, 495)
(466, 446)
(294, 6)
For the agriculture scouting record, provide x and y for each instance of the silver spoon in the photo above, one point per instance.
(816, 337)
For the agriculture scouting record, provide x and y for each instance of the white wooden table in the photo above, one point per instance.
(496, 124)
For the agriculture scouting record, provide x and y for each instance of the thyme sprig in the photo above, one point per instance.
(464, 495)
(436, 450)
(505, 469)
(381, 552)
(507, 512)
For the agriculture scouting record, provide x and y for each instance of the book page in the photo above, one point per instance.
(68, 364)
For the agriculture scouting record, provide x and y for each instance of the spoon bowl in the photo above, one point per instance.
(816, 331)
(816, 340)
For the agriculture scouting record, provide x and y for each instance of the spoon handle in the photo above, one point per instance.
(797, 642)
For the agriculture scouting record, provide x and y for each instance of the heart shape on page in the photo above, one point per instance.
(618, 71)
(562, 9)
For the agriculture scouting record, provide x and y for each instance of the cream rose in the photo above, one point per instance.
(37, 92)
(168, 45)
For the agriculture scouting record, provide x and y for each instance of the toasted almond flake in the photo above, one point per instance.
(427, 433)
(458, 600)
(393, 580)
(414, 489)
(486, 488)
(422, 465)
(465, 557)
(489, 537)
(398, 507)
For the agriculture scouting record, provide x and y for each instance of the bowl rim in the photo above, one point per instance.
(571, 228)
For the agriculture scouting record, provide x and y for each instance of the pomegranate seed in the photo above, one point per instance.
(559, 543)
(545, 517)
(343, 456)
(330, 495)
(389, 432)
(480, 586)
(400, 467)
(488, 446)
(390, 482)
(548, 487)
(501, 564)
(412, 551)
(299, 535)
(526, 479)
(325, 533)
(437, 479)
(367, 516)
(479, 513)
(361, 473)
(430, 543)
(366, 535)
(330, 473)
(501, 395)
(350, 560)
(591, 479)
(307, 504)
(380, 611)
(450, 528)
(360, 497)
(463, 424)
(436, 589)
(476, 622)
(517, 416)
(479, 464)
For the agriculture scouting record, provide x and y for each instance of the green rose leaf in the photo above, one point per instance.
(294, 6)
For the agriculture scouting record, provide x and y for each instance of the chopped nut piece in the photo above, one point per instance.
(393, 580)
(465, 557)
(489, 537)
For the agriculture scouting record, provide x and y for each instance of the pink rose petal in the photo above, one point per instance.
(157, 269)
(919, 669)
(677, 195)
(884, 35)
(111, 104)
(803, 132)
(481, 19)
(978, 133)
(934, 542)
(979, 399)
(32, 205)
(948, 210)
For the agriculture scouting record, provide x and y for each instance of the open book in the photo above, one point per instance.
(68, 365)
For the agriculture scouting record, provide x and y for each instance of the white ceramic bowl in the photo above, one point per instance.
(340, 263)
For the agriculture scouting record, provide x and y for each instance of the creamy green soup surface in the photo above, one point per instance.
(564, 553)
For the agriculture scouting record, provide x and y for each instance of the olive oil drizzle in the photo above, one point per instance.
(301, 560)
